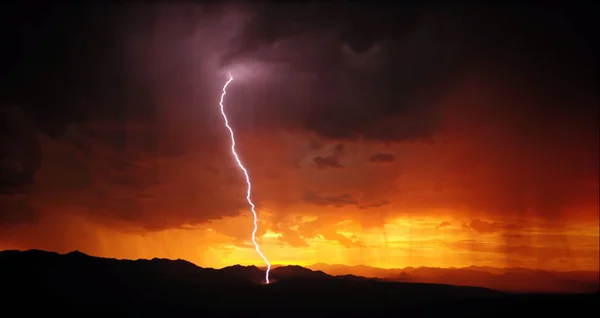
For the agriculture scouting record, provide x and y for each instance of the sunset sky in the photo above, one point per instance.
(443, 136)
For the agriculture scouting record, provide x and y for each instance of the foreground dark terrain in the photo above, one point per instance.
(44, 282)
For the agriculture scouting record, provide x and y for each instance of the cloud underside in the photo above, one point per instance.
(343, 121)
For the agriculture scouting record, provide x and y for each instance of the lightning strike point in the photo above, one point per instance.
(249, 191)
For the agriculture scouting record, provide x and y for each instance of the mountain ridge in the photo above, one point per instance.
(502, 279)
(71, 282)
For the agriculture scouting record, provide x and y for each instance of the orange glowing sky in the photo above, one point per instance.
(437, 204)
(509, 178)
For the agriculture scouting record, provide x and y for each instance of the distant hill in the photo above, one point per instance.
(503, 279)
(75, 283)
(257, 275)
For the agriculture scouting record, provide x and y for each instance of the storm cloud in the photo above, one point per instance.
(117, 103)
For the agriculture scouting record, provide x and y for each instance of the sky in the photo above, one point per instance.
(390, 136)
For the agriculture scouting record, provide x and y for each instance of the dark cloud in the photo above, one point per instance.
(333, 200)
(20, 157)
(339, 150)
(15, 209)
(376, 204)
(327, 162)
(423, 57)
(69, 77)
(420, 49)
(342, 200)
(347, 94)
(117, 85)
(382, 157)
(135, 181)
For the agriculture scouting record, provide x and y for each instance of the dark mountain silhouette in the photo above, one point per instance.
(503, 279)
(246, 273)
(257, 275)
(75, 283)
(298, 272)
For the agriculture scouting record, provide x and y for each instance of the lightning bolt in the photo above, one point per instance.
(249, 191)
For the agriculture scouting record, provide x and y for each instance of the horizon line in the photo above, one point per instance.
(303, 266)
